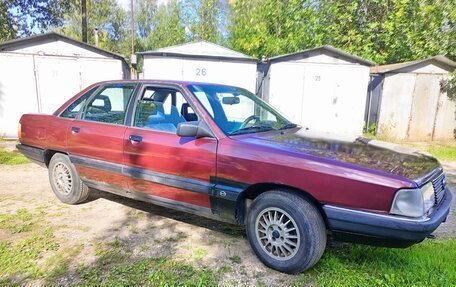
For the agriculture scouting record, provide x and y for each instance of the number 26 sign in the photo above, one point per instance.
(201, 72)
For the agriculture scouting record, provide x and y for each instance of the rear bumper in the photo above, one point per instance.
(34, 154)
(384, 230)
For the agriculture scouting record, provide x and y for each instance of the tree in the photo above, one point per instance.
(390, 31)
(111, 20)
(167, 28)
(271, 27)
(205, 19)
(383, 31)
(25, 17)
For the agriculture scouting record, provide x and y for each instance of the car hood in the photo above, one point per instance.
(367, 153)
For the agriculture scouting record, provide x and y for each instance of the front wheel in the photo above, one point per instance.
(65, 181)
(286, 231)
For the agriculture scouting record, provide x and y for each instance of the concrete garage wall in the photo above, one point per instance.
(39, 75)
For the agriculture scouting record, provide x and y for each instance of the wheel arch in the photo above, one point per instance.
(49, 153)
(253, 191)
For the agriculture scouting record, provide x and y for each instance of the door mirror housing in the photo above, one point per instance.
(196, 129)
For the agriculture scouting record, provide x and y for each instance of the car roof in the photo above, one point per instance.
(152, 81)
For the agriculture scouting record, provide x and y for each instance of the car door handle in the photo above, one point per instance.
(75, 130)
(135, 138)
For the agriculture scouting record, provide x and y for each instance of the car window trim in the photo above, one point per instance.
(82, 108)
(179, 89)
(102, 87)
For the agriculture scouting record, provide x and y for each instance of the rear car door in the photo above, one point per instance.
(95, 137)
(163, 167)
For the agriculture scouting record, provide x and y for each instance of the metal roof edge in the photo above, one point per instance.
(190, 56)
(55, 35)
(382, 69)
(160, 51)
(323, 48)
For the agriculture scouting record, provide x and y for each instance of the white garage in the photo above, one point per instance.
(39, 73)
(322, 88)
(200, 62)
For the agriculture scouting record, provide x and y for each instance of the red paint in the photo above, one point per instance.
(328, 180)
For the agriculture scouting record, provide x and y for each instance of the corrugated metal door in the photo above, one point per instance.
(424, 107)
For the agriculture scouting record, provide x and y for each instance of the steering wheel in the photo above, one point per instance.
(249, 119)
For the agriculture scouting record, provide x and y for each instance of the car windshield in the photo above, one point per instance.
(237, 111)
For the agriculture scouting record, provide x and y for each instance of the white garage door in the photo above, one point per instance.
(323, 97)
(17, 91)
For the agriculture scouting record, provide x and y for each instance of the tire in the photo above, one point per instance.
(65, 181)
(295, 250)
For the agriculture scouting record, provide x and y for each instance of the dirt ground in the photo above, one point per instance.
(149, 231)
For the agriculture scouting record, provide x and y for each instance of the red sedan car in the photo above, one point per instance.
(221, 152)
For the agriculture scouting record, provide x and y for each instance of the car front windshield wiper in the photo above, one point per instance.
(252, 129)
(288, 126)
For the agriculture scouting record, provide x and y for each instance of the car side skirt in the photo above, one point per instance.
(223, 196)
(156, 200)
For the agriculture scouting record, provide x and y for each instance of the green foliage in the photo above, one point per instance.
(383, 31)
(427, 264)
(448, 86)
(12, 157)
(111, 20)
(22, 17)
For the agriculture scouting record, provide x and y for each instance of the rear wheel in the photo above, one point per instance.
(65, 181)
(286, 231)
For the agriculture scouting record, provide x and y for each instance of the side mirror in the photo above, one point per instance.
(196, 129)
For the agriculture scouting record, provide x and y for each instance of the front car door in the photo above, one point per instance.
(95, 137)
(162, 167)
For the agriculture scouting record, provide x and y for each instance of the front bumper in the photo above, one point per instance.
(384, 230)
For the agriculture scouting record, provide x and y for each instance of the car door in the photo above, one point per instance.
(163, 167)
(95, 137)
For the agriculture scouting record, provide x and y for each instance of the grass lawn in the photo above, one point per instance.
(442, 152)
(12, 157)
(431, 263)
(33, 252)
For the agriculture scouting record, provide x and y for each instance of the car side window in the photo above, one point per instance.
(73, 109)
(162, 109)
(109, 105)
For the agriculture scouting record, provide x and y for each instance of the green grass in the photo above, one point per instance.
(146, 272)
(12, 157)
(443, 152)
(19, 222)
(18, 260)
(431, 263)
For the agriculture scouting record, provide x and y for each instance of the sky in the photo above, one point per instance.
(126, 3)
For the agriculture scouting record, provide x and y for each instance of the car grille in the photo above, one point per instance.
(439, 187)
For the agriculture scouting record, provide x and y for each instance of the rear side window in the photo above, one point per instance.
(73, 109)
(109, 105)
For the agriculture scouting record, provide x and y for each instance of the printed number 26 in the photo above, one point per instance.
(201, 71)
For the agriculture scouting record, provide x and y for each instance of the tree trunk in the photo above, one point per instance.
(84, 20)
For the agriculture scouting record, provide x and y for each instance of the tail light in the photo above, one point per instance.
(19, 131)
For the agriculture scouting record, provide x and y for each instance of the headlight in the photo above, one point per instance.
(413, 202)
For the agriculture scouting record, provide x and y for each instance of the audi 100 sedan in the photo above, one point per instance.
(221, 152)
